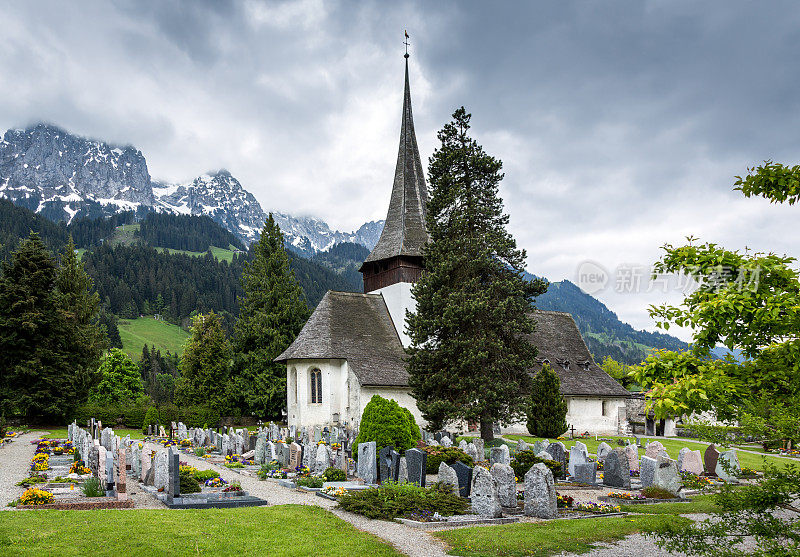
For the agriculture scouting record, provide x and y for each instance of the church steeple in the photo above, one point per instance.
(397, 257)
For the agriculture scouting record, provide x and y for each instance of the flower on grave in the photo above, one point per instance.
(77, 467)
(623, 495)
(186, 443)
(216, 482)
(334, 491)
(564, 501)
(597, 508)
(336, 446)
(35, 496)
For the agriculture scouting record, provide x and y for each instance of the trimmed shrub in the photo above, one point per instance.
(334, 475)
(189, 481)
(391, 500)
(151, 418)
(655, 492)
(387, 423)
(523, 460)
(203, 475)
(450, 455)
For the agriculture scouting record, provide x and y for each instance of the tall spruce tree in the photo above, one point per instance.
(547, 411)
(49, 345)
(205, 364)
(469, 358)
(271, 314)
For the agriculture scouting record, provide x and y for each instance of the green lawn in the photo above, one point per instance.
(221, 254)
(125, 234)
(672, 446)
(61, 432)
(282, 530)
(699, 504)
(547, 538)
(136, 333)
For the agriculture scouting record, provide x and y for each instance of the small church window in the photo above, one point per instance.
(316, 386)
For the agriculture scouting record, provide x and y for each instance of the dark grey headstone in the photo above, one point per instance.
(647, 471)
(464, 475)
(174, 483)
(367, 469)
(417, 462)
(394, 468)
(616, 472)
(385, 463)
(252, 439)
(586, 473)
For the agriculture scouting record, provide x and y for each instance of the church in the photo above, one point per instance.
(353, 345)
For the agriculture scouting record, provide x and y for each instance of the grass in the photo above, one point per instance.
(281, 530)
(125, 234)
(61, 432)
(699, 504)
(547, 538)
(221, 254)
(135, 333)
(672, 446)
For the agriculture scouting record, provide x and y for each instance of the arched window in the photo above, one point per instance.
(316, 386)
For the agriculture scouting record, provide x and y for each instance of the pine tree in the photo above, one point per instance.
(469, 358)
(271, 314)
(205, 364)
(80, 308)
(120, 379)
(547, 411)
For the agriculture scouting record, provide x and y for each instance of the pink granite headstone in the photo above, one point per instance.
(653, 449)
(120, 476)
(147, 462)
(633, 457)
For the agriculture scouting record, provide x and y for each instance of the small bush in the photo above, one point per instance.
(655, 492)
(91, 488)
(391, 500)
(334, 475)
(450, 455)
(523, 460)
(189, 482)
(151, 418)
(203, 475)
(310, 481)
(200, 451)
(387, 423)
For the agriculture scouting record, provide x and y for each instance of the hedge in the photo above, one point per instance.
(132, 416)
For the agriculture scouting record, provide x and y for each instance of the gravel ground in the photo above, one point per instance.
(409, 541)
(15, 458)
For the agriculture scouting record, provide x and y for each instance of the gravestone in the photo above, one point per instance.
(120, 475)
(616, 472)
(286, 454)
(173, 474)
(647, 471)
(385, 463)
(653, 449)
(603, 450)
(367, 465)
(446, 442)
(545, 455)
(109, 475)
(586, 473)
(710, 459)
(146, 463)
(136, 461)
(681, 454)
(227, 445)
(417, 462)
(105, 438)
(728, 467)
(539, 446)
(448, 475)
(522, 446)
(317, 434)
(500, 454)
(161, 479)
(503, 476)
(483, 494)
(559, 455)
(479, 446)
(666, 474)
(260, 455)
(269, 451)
(472, 452)
(394, 467)
(693, 462)
(322, 460)
(463, 445)
(295, 455)
(464, 475)
(101, 465)
(633, 457)
(577, 455)
(540, 492)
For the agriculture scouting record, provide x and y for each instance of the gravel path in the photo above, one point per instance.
(15, 459)
(409, 541)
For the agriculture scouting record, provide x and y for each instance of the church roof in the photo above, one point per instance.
(404, 232)
(560, 343)
(358, 328)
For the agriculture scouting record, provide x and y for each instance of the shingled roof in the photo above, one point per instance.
(560, 343)
(404, 232)
(358, 328)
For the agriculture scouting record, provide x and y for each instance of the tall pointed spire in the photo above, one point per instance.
(404, 232)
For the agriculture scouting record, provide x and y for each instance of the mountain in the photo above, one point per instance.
(63, 177)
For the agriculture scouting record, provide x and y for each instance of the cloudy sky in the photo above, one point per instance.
(621, 124)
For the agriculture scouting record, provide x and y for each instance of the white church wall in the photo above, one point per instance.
(594, 415)
(301, 411)
(398, 299)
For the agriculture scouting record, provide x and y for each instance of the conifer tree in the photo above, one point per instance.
(547, 411)
(205, 364)
(272, 312)
(469, 358)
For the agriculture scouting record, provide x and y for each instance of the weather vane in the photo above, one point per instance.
(405, 42)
